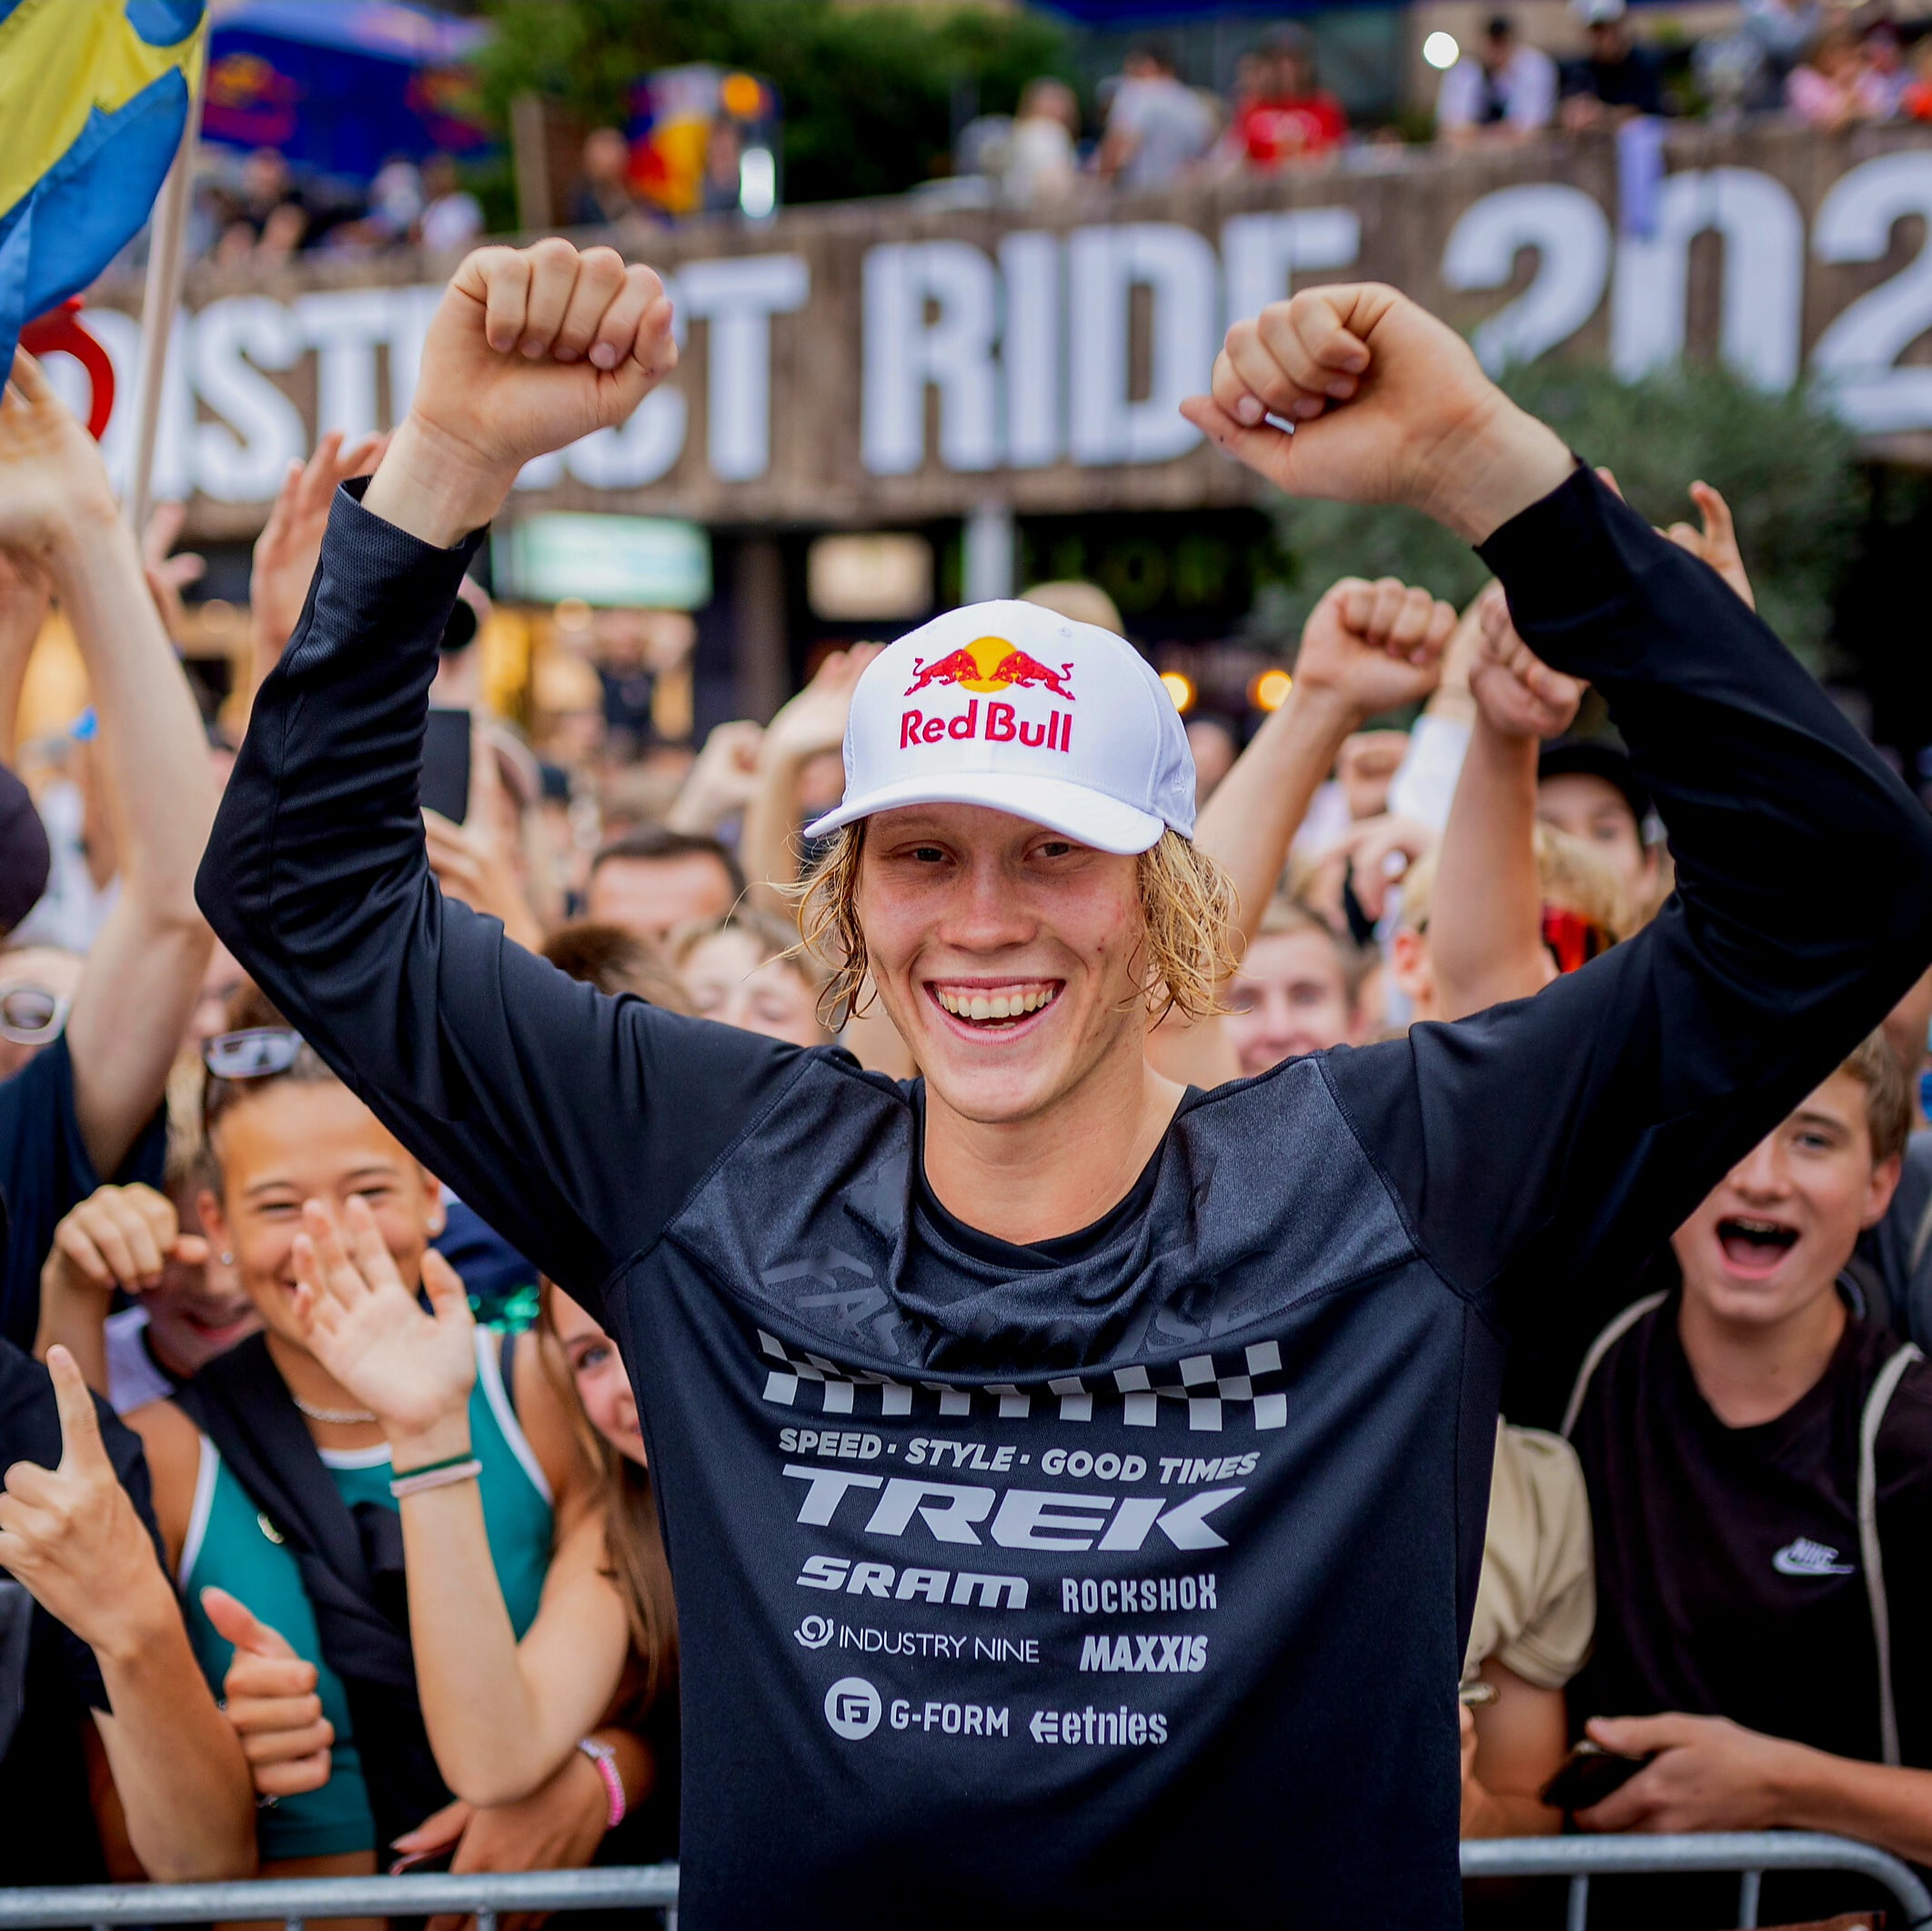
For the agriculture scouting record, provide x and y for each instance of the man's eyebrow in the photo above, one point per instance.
(1810, 1116)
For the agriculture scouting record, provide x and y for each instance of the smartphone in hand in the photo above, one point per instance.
(1588, 1775)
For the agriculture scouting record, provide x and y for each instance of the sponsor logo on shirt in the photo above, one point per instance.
(965, 1589)
(1020, 1518)
(950, 1719)
(1091, 1727)
(1146, 1655)
(1805, 1557)
(816, 1632)
(851, 1708)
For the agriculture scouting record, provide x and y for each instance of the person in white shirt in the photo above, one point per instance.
(452, 218)
(1503, 91)
(1157, 126)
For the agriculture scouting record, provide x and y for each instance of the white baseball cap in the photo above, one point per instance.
(1015, 706)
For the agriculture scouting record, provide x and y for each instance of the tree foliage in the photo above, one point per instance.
(868, 93)
(1785, 465)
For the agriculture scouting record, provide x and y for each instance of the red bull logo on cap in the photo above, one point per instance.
(990, 665)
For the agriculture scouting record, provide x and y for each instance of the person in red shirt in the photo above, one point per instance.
(1288, 115)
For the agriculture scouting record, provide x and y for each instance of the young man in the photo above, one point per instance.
(655, 881)
(1074, 1487)
(1759, 1461)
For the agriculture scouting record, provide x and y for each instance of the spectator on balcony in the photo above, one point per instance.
(452, 217)
(1042, 163)
(1504, 91)
(603, 196)
(1616, 79)
(1835, 87)
(1157, 125)
(1287, 116)
(1759, 1462)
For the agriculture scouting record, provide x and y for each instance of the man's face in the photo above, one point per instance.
(1496, 50)
(196, 1311)
(1592, 809)
(653, 897)
(1290, 997)
(1770, 1238)
(970, 914)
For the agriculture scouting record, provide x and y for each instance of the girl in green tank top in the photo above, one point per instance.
(300, 1164)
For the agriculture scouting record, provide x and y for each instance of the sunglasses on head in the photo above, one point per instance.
(251, 1054)
(1572, 940)
(31, 1015)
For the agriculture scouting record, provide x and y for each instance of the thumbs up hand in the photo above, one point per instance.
(71, 1535)
(270, 1695)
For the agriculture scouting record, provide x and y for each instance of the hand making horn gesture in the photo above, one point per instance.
(530, 349)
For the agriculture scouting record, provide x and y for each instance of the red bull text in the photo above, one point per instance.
(1000, 725)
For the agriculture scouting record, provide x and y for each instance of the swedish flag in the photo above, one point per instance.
(93, 97)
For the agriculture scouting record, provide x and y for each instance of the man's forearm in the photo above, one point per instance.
(1251, 821)
(144, 971)
(1875, 1803)
(1485, 930)
(177, 1763)
(159, 785)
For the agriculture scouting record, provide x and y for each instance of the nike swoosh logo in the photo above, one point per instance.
(1804, 1557)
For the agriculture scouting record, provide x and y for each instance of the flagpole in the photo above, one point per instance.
(168, 233)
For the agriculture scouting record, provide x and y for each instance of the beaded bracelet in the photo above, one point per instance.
(603, 1759)
(435, 1475)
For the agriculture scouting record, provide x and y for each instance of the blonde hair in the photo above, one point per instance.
(1570, 873)
(1887, 1095)
(1187, 915)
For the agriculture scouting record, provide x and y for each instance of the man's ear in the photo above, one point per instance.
(435, 1216)
(214, 1219)
(1884, 1184)
(1409, 963)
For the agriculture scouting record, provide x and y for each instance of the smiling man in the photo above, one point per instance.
(1759, 1462)
(1073, 1484)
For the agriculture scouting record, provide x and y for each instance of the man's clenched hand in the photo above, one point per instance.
(530, 349)
(1389, 406)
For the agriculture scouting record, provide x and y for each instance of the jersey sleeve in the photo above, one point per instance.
(576, 1124)
(1542, 1149)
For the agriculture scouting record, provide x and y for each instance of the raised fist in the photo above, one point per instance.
(1388, 405)
(1518, 694)
(1377, 646)
(530, 349)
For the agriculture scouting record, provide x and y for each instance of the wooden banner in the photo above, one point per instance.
(881, 362)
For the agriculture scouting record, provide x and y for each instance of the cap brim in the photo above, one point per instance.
(1088, 816)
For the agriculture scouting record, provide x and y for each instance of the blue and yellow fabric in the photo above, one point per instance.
(93, 95)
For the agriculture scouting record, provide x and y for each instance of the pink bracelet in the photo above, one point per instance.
(605, 1760)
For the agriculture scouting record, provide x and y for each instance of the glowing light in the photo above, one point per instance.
(1440, 50)
(1181, 689)
(756, 184)
(1270, 689)
(572, 613)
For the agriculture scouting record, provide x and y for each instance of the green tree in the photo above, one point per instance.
(869, 91)
(1782, 462)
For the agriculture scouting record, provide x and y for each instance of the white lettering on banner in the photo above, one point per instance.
(953, 353)
(1261, 252)
(345, 327)
(1856, 356)
(1105, 266)
(1760, 314)
(242, 458)
(1033, 348)
(1571, 235)
(736, 297)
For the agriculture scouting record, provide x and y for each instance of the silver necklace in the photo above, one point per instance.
(340, 1417)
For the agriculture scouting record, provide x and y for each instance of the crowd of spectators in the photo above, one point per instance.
(219, 1651)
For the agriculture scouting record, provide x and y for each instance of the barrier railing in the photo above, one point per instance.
(1748, 1853)
(298, 1901)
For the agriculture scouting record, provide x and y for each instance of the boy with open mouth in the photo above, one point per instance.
(1073, 1484)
